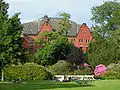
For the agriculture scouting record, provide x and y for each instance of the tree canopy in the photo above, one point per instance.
(64, 25)
(52, 52)
(54, 46)
(106, 17)
(105, 47)
(10, 32)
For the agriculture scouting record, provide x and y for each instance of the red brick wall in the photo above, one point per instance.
(83, 38)
(26, 43)
(46, 26)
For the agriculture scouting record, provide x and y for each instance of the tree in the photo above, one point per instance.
(75, 57)
(54, 46)
(106, 17)
(103, 51)
(15, 39)
(105, 48)
(64, 25)
(47, 37)
(10, 40)
(52, 52)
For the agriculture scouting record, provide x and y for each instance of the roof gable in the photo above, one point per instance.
(34, 27)
(84, 30)
(45, 27)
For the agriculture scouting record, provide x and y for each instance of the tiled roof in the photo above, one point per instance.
(34, 26)
(30, 27)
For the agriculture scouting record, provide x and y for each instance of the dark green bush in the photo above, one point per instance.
(28, 71)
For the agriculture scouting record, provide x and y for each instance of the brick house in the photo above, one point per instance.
(80, 35)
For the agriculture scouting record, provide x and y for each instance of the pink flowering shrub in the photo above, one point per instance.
(100, 70)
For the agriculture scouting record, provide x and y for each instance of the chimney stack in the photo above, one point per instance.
(46, 18)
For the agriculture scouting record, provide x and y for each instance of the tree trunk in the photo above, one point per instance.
(2, 75)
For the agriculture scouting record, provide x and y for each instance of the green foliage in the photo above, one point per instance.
(3, 10)
(28, 71)
(103, 51)
(76, 56)
(10, 32)
(114, 71)
(84, 71)
(106, 17)
(52, 52)
(54, 46)
(60, 68)
(64, 25)
(112, 75)
(47, 37)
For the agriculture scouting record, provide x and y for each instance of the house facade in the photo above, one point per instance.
(80, 35)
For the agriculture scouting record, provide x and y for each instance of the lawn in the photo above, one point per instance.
(50, 85)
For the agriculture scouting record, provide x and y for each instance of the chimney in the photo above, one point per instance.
(45, 18)
(84, 24)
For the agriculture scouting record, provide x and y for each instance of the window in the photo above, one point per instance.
(54, 30)
(30, 40)
(81, 40)
(87, 41)
(72, 40)
(46, 29)
(84, 32)
(86, 48)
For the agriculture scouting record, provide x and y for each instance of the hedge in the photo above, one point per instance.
(28, 71)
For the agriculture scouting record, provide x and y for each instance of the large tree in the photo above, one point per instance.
(75, 57)
(105, 47)
(103, 51)
(10, 40)
(52, 52)
(54, 46)
(106, 17)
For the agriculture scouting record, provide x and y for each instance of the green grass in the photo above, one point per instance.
(50, 85)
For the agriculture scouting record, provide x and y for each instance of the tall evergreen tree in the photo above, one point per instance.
(10, 36)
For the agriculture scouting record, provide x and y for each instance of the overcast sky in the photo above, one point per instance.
(80, 10)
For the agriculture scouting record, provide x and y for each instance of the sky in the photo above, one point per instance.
(80, 10)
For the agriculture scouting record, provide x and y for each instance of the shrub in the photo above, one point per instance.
(61, 67)
(83, 71)
(112, 75)
(114, 71)
(28, 71)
